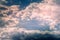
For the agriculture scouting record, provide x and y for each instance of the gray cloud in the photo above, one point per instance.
(57, 2)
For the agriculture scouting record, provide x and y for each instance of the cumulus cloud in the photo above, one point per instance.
(45, 12)
(37, 18)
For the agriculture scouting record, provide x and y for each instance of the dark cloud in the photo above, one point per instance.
(2, 23)
(2, 8)
(34, 36)
(57, 2)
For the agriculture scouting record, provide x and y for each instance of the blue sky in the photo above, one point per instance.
(22, 3)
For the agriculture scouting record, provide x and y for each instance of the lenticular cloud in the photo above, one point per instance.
(36, 17)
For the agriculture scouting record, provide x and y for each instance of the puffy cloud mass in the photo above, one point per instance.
(43, 17)
(45, 13)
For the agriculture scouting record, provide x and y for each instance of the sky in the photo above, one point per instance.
(27, 19)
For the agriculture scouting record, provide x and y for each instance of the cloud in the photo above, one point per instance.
(36, 18)
(45, 12)
(57, 2)
(7, 15)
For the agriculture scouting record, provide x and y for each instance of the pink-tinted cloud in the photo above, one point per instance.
(46, 12)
